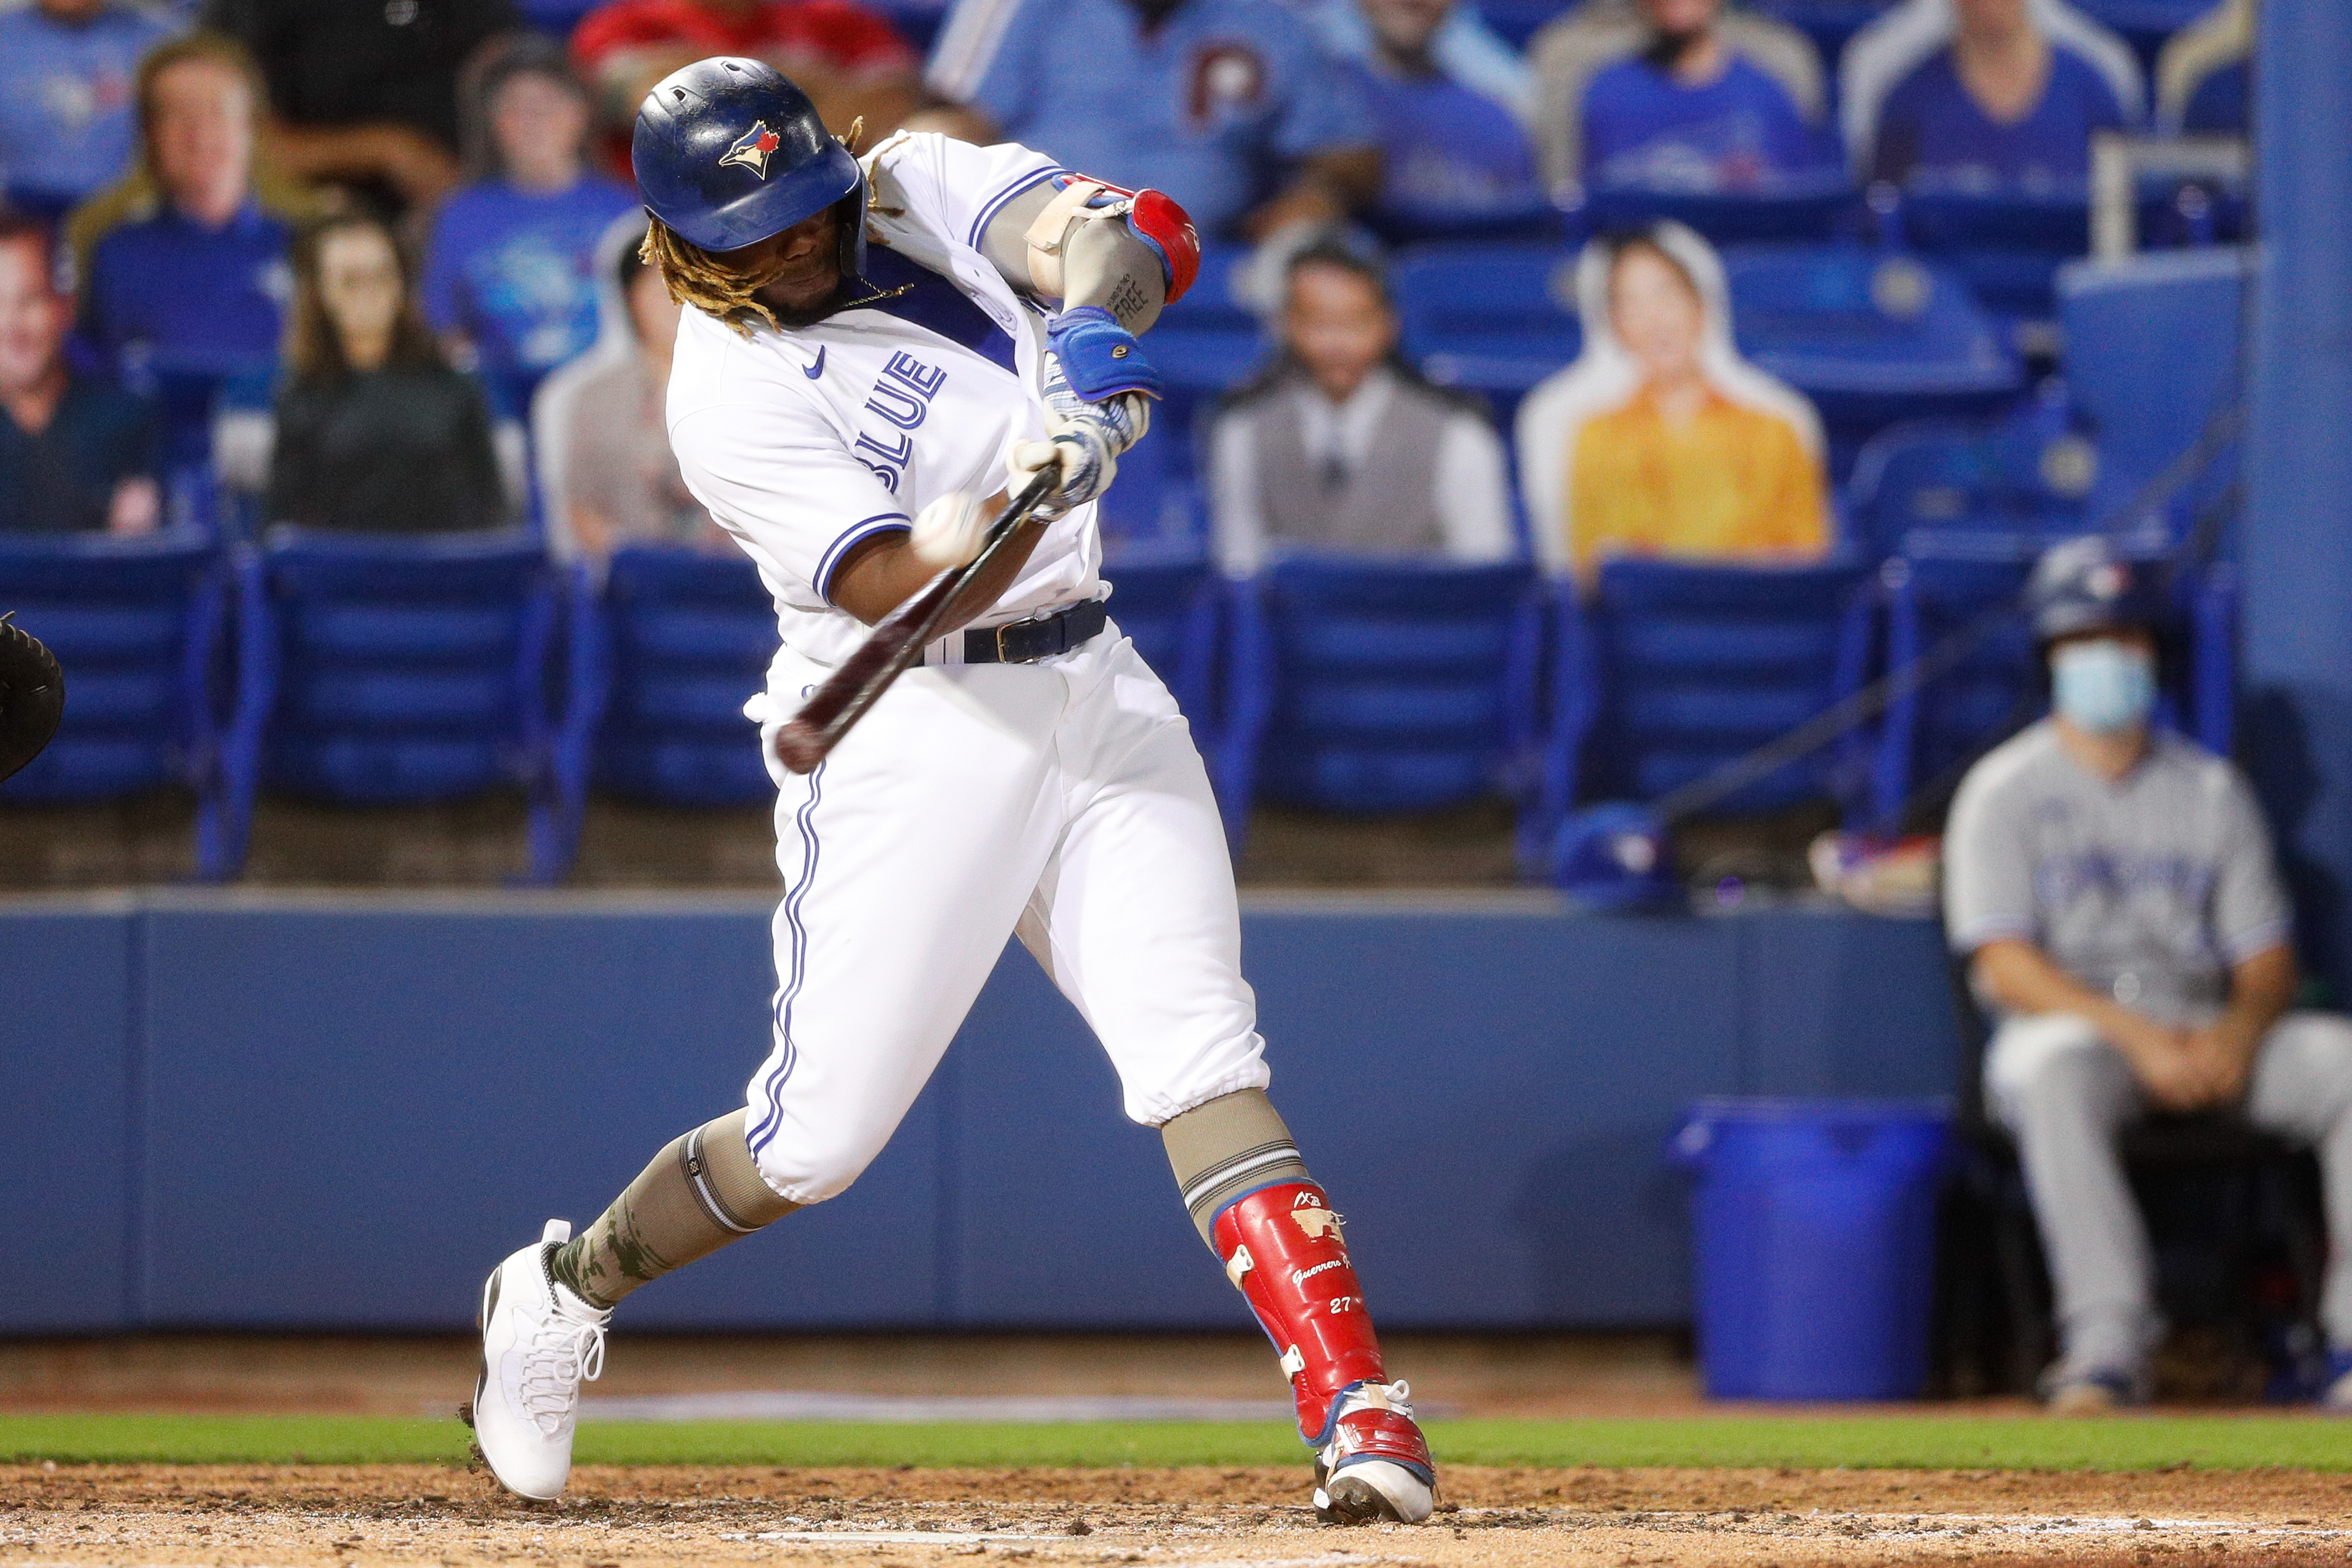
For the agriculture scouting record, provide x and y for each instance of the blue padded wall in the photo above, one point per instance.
(351, 1113)
(69, 1053)
(2297, 663)
(1836, 1004)
(1487, 1097)
(253, 1111)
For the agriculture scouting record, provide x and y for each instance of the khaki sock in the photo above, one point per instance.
(1234, 1144)
(700, 1194)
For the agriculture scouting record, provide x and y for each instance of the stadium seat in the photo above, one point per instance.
(683, 639)
(1157, 503)
(1674, 668)
(1872, 338)
(1380, 686)
(1498, 319)
(136, 625)
(1519, 20)
(557, 17)
(1168, 600)
(2030, 474)
(381, 670)
(2006, 248)
(1813, 213)
(190, 390)
(2171, 319)
(1933, 730)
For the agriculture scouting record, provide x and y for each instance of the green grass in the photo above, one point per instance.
(1863, 1441)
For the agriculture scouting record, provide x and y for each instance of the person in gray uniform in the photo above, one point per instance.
(1339, 448)
(2113, 888)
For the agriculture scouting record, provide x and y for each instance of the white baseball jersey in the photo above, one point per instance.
(1061, 801)
(803, 442)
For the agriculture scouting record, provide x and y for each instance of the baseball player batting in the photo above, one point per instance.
(873, 355)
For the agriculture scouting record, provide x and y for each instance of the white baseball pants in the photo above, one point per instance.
(2064, 1093)
(1062, 800)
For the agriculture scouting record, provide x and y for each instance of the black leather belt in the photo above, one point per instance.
(1027, 642)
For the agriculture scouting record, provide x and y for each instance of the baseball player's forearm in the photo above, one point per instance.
(2022, 979)
(2262, 989)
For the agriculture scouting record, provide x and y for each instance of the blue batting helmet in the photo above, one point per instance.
(727, 151)
(2086, 585)
(1614, 856)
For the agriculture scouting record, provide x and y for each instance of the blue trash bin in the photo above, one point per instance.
(1814, 1224)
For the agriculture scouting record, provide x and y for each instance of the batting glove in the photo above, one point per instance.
(1084, 439)
(1101, 358)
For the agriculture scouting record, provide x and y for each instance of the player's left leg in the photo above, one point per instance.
(545, 1309)
(1135, 920)
(2302, 1086)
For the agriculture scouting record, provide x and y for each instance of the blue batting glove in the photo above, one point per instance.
(1101, 358)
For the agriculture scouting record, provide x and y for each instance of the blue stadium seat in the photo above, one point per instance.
(1872, 338)
(1674, 668)
(2006, 248)
(1497, 317)
(1519, 20)
(188, 389)
(1381, 685)
(1167, 598)
(2172, 320)
(384, 670)
(918, 21)
(136, 626)
(685, 638)
(2030, 474)
(557, 17)
(1814, 213)
(1158, 503)
(1932, 731)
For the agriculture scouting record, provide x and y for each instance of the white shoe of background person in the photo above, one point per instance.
(539, 1341)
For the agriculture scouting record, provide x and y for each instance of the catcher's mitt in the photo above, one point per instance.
(32, 697)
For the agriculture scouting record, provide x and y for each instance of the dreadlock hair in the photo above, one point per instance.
(695, 278)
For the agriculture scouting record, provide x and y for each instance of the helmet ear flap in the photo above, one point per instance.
(849, 229)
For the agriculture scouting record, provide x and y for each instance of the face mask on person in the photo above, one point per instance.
(2101, 685)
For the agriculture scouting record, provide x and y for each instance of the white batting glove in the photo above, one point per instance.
(1084, 438)
(950, 531)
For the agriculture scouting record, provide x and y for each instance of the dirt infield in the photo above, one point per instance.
(236, 1516)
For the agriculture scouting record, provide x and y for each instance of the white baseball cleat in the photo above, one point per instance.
(1374, 1464)
(540, 1341)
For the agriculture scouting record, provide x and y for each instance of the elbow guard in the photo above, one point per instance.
(1149, 218)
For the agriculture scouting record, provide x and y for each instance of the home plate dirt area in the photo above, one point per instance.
(1193, 1518)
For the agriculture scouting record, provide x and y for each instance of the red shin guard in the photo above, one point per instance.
(1281, 1246)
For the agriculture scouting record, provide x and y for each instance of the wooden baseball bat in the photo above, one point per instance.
(898, 640)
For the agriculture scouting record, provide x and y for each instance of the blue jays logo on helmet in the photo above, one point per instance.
(754, 149)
